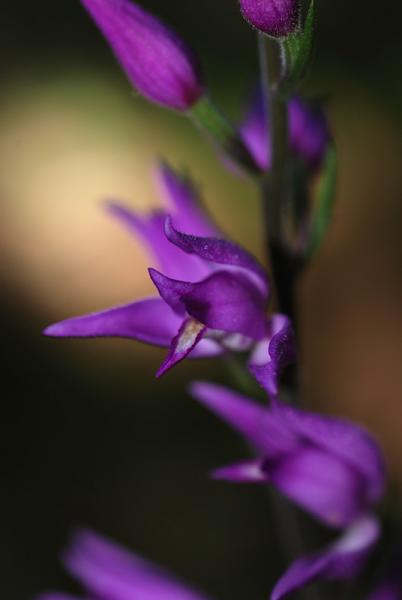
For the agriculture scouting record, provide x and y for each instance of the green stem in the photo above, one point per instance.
(276, 177)
(276, 189)
(277, 193)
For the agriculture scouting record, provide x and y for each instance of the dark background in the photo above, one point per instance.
(89, 436)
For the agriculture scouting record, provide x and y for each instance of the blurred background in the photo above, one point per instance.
(90, 437)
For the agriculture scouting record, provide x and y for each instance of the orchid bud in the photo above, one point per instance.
(277, 18)
(157, 62)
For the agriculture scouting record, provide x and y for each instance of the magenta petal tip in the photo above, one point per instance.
(342, 560)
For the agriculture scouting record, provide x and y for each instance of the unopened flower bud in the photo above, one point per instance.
(158, 63)
(277, 18)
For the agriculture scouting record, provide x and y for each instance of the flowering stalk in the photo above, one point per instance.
(212, 296)
(277, 197)
(276, 185)
(283, 63)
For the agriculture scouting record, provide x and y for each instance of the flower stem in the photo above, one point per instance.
(276, 187)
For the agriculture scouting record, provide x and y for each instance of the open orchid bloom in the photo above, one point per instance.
(109, 572)
(213, 294)
(342, 560)
(331, 468)
(308, 132)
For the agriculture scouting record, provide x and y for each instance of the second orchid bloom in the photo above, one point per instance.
(213, 294)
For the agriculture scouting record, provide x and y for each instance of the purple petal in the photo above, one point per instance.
(171, 290)
(149, 320)
(321, 483)
(222, 252)
(319, 477)
(341, 560)
(309, 131)
(309, 134)
(206, 348)
(244, 415)
(255, 422)
(110, 572)
(227, 302)
(246, 472)
(223, 301)
(277, 18)
(157, 62)
(345, 440)
(183, 197)
(253, 132)
(151, 230)
(274, 354)
(190, 333)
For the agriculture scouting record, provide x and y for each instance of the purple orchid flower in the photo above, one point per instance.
(342, 560)
(308, 132)
(277, 18)
(213, 293)
(330, 467)
(158, 63)
(110, 572)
